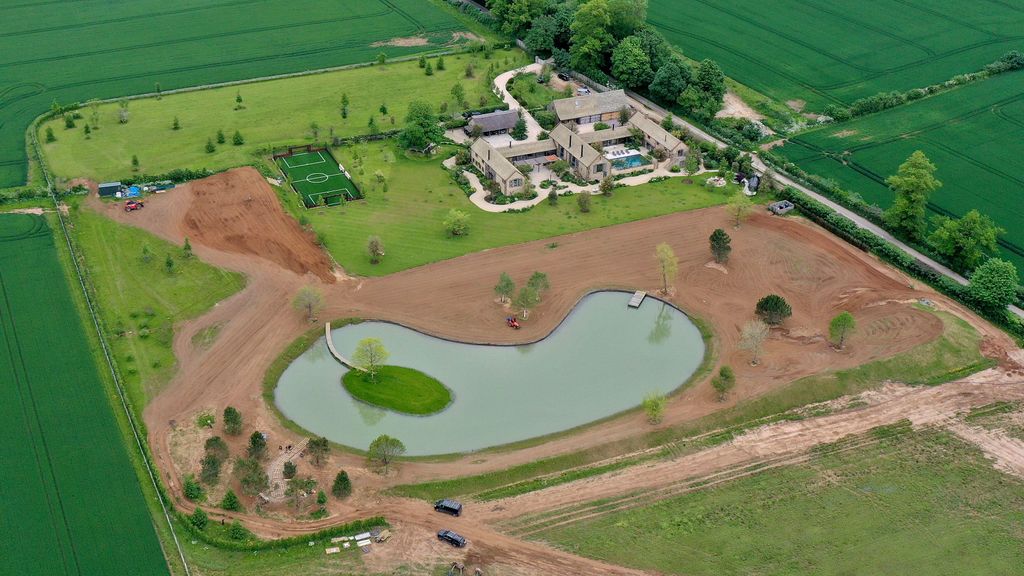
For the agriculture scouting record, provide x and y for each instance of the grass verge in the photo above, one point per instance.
(906, 502)
(139, 301)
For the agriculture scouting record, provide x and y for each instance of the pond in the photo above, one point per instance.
(603, 359)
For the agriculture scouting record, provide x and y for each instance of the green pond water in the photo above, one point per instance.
(603, 359)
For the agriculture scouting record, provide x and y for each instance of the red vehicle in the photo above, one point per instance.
(132, 205)
(512, 322)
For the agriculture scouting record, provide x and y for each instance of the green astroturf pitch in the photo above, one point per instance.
(318, 178)
(70, 502)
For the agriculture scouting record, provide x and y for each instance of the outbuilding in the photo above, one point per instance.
(109, 188)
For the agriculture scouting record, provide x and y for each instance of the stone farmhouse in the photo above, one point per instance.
(591, 154)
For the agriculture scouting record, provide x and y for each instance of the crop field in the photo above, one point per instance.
(911, 503)
(970, 133)
(70, 502)
(274, 113)
(822, 51)
(97, 51)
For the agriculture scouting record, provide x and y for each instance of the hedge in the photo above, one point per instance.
(303, 540)
(868, 241)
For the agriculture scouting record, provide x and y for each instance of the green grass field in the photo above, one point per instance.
(914, 503)
(970, 133)
(820, 51)
(318, 179)
(71, 503)
(139, 302)
(96, 52)
(408, 217)
(525, 89)
(276, 113)
(400, 389)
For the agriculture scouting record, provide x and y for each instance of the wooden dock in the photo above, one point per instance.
(334, 352)
(637, 299)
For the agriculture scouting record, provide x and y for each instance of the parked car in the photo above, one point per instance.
(582, 91)
(563, 76)
(448, 506)
(451, 538)
(133, 205)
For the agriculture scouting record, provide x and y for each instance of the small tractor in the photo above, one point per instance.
(133, 205)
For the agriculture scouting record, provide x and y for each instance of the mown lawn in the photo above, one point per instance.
(400, 389)
(274, 113)
(139, 301)
(525, 89)
(409, 215)
(913, 503)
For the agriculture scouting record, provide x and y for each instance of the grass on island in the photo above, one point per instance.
(400, 389)
(276, 113)
(531, 94)
(953, 355)
(915, 502)
(408, 216)
(139, 302)
(72, 503)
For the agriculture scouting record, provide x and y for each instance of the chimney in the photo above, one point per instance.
(488, 154)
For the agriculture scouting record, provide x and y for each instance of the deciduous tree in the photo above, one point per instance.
(384, 450)
(591, 39)
(723, 382)
(310, 301)
(505, 287)
(319, 449)
(668, 264)
(539, 282)
(967, 240)
(841, 327)
(739, 208)
(375, 248)
(994, 284)
(670, 80)
(526, 298)
(752, 338)
(631, 65)
(370, 354)
(913, 182)
(456, 223)
(298, 490)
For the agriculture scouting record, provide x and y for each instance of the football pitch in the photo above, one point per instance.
(104, 49)
(318, 178)
(823, 51)
(971, 133)
(70, 502)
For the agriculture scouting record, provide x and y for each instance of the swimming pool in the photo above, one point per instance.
(631, 161)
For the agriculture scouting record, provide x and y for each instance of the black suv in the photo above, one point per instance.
(451, 538)
(448, 507)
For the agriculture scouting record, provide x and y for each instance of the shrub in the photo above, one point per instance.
(654, 407)
(231, 502)
(199, 519)
(193, 491)
(290, 469)
(232, 421)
